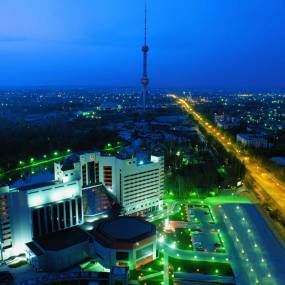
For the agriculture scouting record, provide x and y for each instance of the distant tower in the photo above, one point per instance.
(145, 49)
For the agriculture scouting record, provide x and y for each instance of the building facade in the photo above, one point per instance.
(116, 245)
(37, 210)
(253, 140)
(137, 185)
(83, 187)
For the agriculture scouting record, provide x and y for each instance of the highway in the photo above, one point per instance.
(270, 186)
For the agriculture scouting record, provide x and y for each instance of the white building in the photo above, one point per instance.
(36, 210)
(253, 140)
(138, 185)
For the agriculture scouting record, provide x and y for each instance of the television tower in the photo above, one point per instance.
(145, 80)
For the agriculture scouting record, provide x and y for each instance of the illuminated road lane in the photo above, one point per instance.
(265, 180)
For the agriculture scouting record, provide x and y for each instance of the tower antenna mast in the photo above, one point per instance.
(145, 49)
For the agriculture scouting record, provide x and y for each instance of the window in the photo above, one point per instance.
(79, 210)
(67, 212)
(61, 215)
(55, 217)
(91, 173)
(108, 175)
(49, 219)
(35, 223)
(145, 252)
(122, 255)
(73, 206)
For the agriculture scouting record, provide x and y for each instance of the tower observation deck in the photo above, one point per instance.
(145, 79)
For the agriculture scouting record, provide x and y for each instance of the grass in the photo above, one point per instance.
(203, 267)
(155, 266)
(181, 215)
(182, 237)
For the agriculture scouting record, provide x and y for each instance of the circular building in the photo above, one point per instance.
(124, 241)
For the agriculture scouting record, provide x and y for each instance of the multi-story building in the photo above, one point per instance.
(36, 210)
(78, 191)
(137, 185)
(253, 140)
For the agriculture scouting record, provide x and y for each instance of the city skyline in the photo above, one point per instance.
(198, 45)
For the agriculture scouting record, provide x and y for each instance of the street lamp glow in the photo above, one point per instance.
(161, 239)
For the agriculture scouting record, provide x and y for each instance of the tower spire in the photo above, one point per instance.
(145, 23)
(145, 49)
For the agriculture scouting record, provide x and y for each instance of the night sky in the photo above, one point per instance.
(193, 43)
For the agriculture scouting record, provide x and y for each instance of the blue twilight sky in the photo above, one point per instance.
(193, 43)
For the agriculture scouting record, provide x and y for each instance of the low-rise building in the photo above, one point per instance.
(253, 140)
(122, 241)
(36, 210)
(84, 187)
(59, 250)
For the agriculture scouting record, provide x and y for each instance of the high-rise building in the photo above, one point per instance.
(83, 188)
(137, 185)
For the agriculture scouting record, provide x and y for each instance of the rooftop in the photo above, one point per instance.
(251, 136)
(37, 185)
(123, 230)
(62, 239)
(34, 248)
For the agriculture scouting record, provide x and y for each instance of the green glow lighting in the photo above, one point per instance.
(32, 159)
(55, 153)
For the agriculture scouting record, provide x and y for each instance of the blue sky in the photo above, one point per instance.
(193, 43)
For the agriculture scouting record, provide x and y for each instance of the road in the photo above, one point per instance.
(268, 183)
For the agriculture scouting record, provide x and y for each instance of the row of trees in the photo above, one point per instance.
(21, 141)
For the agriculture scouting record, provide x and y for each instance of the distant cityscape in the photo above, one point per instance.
(82, 195)
(143, 185)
